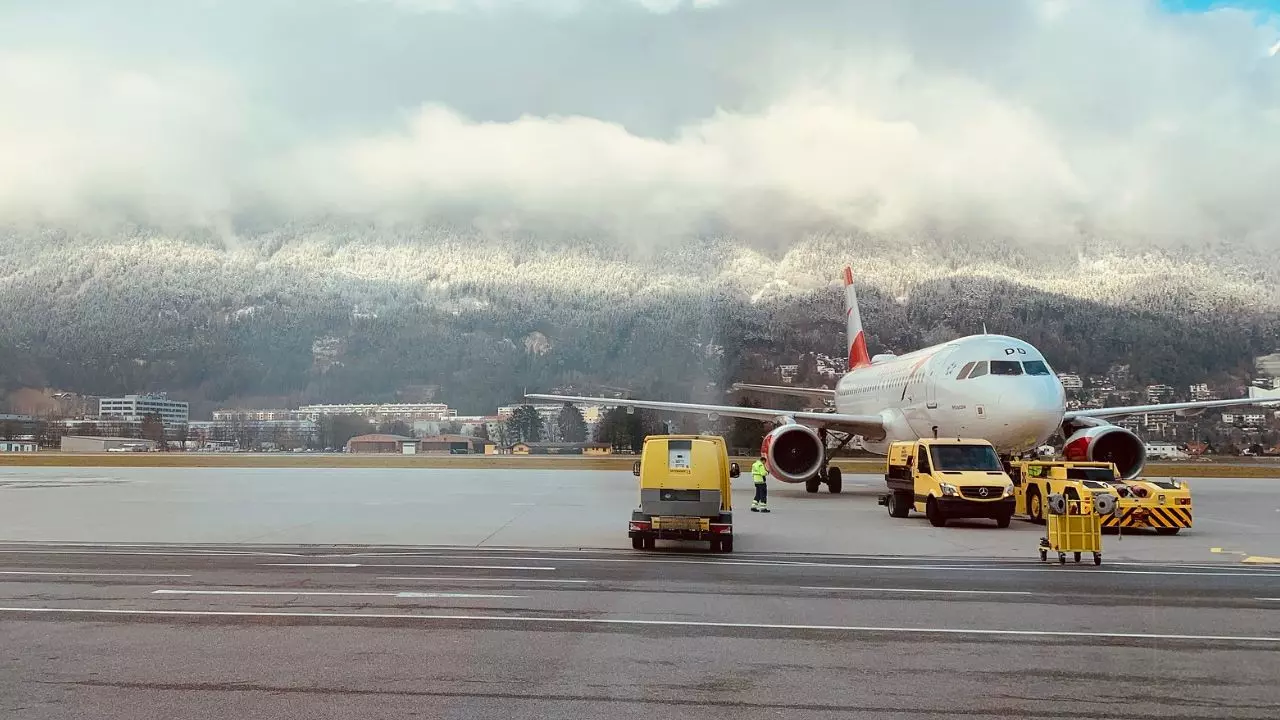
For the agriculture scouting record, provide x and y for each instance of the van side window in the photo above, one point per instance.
(964, 371)
(979, 370)
(924, 460)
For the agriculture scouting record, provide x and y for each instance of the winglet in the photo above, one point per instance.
(858, 356)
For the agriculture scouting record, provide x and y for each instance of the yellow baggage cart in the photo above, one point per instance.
(1075, 526)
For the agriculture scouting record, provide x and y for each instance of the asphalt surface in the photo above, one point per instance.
(1234, 518)
(157, 631)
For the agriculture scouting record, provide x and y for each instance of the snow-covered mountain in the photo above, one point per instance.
(343, 312)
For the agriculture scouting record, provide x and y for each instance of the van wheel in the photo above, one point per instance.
(899, 505)
(637, 543)
(1035, 506)
(834, 480)
(931, 511)
(812, 484)
(1003, 521)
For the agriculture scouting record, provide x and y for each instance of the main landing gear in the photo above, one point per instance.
(829, 475)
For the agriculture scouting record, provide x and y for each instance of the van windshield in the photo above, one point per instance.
(964, 457)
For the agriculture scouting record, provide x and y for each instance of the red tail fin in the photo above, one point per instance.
(858, 356)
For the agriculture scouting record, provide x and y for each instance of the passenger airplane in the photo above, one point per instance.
(994, 387)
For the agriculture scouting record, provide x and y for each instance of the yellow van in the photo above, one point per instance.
(947, 479)
(685, 492)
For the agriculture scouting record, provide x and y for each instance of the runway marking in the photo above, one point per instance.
(192, 553)
(485, 579)
(524, 619)
(791, 564)
(1261, 560)
(329, 593)
(924, 590)
(455, 567)
(91, 574)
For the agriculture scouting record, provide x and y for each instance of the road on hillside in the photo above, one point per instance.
(162, 631)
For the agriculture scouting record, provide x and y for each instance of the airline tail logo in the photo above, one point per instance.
(858, 356)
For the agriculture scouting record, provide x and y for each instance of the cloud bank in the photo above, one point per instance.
(1041, 120)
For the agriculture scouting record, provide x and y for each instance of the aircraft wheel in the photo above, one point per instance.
(812, 484)
(834, 480)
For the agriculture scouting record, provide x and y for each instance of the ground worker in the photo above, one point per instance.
(758, 472)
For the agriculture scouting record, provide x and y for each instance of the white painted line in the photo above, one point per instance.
(90, 574)
(924, 590)
(1036, 567)
(1269, 599)
(485, 579)
(965, 567)
(338, 565)
(191, 553)
(329, 593)
(524, 619)
(455, 567)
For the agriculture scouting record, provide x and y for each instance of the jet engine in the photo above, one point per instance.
(1108, 443)
(793, 453)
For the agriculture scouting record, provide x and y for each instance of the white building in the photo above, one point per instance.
(18, 446)
(382, 412)
(1201, 392)
(1249, 419)
(133, 408)
(1157, 394)
(1070, 381)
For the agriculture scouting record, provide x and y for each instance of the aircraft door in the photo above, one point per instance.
(931, 391)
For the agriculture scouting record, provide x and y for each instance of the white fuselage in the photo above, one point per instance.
(1016, 407)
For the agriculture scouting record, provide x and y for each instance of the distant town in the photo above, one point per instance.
(157, 422)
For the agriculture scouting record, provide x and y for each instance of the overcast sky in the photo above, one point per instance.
(1036, 118)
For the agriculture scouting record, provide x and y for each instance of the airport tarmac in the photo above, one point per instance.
(162, 631)
(1234, 519)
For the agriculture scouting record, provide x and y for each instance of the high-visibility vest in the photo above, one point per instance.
(758, 472)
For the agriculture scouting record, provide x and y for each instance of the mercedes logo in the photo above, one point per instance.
(982, 492)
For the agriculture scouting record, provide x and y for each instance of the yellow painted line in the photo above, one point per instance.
(1260, 560)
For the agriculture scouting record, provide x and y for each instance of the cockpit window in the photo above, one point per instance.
(979, 370)
(964, 371)
(1036, 367)
(1006, 367)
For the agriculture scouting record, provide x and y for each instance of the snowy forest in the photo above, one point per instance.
(475, 316)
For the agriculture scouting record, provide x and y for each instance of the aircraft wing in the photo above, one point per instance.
(870, 427)
(1166, 407)
(804, 392)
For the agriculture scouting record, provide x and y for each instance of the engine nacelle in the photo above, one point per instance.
(793, 453)
(1108, 443)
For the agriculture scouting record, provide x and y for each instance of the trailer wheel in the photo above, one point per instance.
(637, 543)
(834, 480)
(715, 545)
(1077, 557)
(726, 545)
(1044, 554)
(1097, 558)
(650, 543)
(1167, 531)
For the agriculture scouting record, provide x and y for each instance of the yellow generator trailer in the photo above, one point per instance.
(685, 492)
(947, 479)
